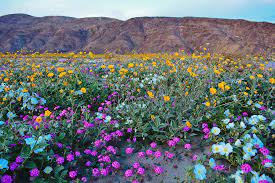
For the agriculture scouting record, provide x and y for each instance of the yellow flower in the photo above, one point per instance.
(207, 104)
(166, 98)
(251, 77)
(60, 69)
(245, 93)
(213, 91)
(83, 90)
(260, 76)
(38, 119)
(188, 124)
(227, 87)
(47, 113)
(103, 66)
(152, 117)
(150, 94)
(130, 65)
(221, 85)
(186, 93)
(50, 75)
(272, 81)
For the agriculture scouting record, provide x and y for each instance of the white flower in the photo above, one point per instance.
(226, 149)
(243, 125)
(215, 130)
(226, 121)
(238, 143)
(230, 125)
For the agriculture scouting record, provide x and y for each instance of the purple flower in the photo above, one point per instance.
(6, 179)
(19, 159)
(34, 172)
(186, 128)
(116, 164)
(60, 160)
(13, 166)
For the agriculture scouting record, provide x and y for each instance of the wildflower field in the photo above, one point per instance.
(82, 117)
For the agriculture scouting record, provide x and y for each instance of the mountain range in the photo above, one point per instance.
(141, 34)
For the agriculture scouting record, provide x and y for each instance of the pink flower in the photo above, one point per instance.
(157, 154)
(171, 143)
(128, 173)
(116, 164)
(195, 157)
(169, 155)
(70, 157)
(98, 143)
(219, 167)
(104, 171)
(96, 172)
(72, 174)
(153, 145)
(246, 168)
(187, 146)
(176, 139)
(141, 154)
(136, 165)
(149, 152)
(141, 171)
(206, 136)
(266, 161)
(158, 170)
(129, 150)
(206, 130)
(264, 151)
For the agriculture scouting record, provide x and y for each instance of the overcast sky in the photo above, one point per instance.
(256, 10)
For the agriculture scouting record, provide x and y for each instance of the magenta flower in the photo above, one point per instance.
(153, 145)
(171, 143)
(246, 168)
(141, 154)
(176, 139)
(96, 172)
(136, 165)
(60, 160)
(157, 154)
(72, 174)
(70, 157)
(187, 146)
(141, 171)
(116, 164)
(264, 151)
(34, 172)
(104, 171)
(128, 173)
(129, 150)
(149, 152)
(158, 170)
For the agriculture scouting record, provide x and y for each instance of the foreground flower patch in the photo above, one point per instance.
(86, 117)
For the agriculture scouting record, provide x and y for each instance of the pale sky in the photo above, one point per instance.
(255, 10)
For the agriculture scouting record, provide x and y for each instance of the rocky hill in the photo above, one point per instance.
(144, 34)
